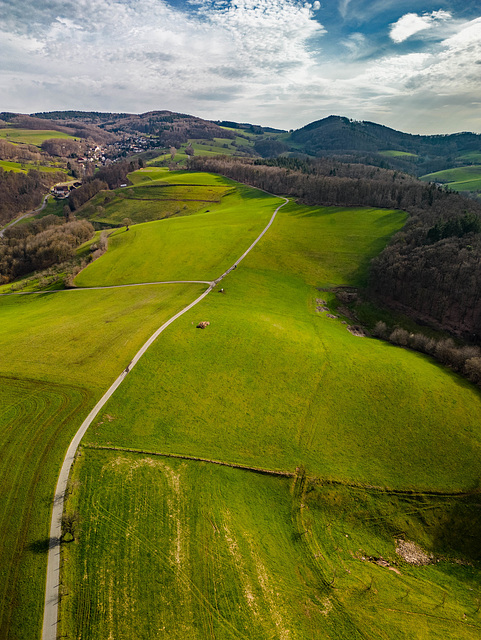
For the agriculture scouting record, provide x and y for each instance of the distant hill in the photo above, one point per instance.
(376, 144)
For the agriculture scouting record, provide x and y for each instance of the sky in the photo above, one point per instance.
(410, 65)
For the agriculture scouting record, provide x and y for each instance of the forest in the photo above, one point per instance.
(40, 244)
(21, 192)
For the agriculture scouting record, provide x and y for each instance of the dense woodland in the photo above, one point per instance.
(23, 191)
(432, 268)
(39, 245)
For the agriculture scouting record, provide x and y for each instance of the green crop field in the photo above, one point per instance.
(59, 354)
(177, 549)
(195, 247)
(31, 136)
(273, 383)
(459, 179)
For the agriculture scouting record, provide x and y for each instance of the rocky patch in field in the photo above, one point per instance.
(356, 330)
(203, 324)
(412, 553)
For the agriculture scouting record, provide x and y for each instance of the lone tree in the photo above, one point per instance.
(126, 223)
(189, 150)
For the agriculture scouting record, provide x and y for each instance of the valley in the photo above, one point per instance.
(268, 472)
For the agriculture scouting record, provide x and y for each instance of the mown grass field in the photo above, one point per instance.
(31, 136)
(459, 179)
(177, 549)
(196, 247)
(273, 383)
(60, 352)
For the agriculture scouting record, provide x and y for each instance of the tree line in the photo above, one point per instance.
(39, 245)
(431, 270)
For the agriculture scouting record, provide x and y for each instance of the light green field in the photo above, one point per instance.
(196, 247)
(153, 201)
(37, 421)
(22, 167)
(471, 156)
(55, 341)
(32, 136)
(181, 549)
(273, 383)
(391, 153)
(459, 179)
(60, 352)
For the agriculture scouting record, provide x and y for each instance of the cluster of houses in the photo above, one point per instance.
(60, 191)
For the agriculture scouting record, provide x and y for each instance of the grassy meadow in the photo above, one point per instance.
(459, 179)
(32, 136)
(273, 383)
(152, 202)
(175, 548)
(195, 247)
(24, 167)
(179, 549)
(60, 352)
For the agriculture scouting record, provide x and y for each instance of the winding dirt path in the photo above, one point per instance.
(49, 629)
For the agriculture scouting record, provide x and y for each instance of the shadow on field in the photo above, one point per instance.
(40, 546)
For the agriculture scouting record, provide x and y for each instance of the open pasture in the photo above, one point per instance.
(149, 202)
(55, 339)
(176, 549)
(32, 136)
(37, 421)
(196, 247)
(459, 179)
(60, 352)
(22, 167)
(392, 153)
(274, 383)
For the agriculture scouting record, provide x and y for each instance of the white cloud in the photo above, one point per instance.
(412, 23)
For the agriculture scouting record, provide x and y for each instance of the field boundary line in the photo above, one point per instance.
(181, 456)
(52, 597)
(108, 286)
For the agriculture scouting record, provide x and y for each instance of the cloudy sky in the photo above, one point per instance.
(411, 65)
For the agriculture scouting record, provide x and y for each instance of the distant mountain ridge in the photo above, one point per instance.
(337, 137)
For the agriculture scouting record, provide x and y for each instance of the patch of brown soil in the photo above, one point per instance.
(203, 324)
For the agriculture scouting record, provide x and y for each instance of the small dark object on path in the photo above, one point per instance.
(203, 325)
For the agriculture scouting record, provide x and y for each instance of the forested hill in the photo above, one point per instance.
(431, 269)
(336, 135)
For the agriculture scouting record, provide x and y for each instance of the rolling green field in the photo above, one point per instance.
(22, 167)
(175, 548)
(273, 383)
(152, 202)
(459, 179)
(391, 153)
(32, 136)
(59, 354)
(181, 549)
(196, 247)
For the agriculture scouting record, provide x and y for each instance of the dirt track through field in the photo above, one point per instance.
(49, 629)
